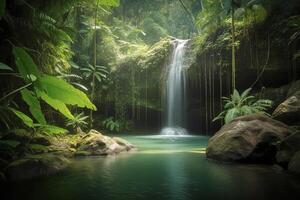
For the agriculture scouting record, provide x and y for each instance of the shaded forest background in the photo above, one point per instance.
(131, 41)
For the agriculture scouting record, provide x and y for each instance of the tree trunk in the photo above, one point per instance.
(233, 67)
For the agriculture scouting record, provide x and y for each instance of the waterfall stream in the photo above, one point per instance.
(175, 91)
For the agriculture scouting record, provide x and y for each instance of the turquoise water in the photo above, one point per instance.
(162, 169)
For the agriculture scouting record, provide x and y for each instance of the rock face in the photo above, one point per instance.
(248, 138)
(294, 165)
(287, 148)
(289, 110)
(34, 166)
(94, 143)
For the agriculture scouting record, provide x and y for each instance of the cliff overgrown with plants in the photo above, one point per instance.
(116, 52)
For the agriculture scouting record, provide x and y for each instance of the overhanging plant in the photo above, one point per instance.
(54, 91)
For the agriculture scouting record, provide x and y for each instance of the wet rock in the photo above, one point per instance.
(287, 148)
(289, 110)
(34, 166)
(97, 144)
(250, 138)
(124, 143)
(294, 164)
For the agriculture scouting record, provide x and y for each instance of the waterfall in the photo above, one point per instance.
(175, 92)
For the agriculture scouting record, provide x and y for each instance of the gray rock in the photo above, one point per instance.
(97, 144)
(289, 110)
(122, 142)
(247, 138)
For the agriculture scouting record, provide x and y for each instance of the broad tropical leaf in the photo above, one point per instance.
(110, 3)
(34, 105)
(50, 129)
(25, 119)
(25, 64)
(62, 91)
(56, 104)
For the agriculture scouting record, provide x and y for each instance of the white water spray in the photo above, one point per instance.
(175, 91)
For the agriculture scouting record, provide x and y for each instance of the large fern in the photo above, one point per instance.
(244, 104)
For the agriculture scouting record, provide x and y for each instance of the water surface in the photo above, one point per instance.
(163, 168)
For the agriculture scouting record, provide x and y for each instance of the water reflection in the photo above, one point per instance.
(177, 173)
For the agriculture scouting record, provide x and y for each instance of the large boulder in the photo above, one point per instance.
(250, 138)
(34, 166)
(94, 143)
(289, 110)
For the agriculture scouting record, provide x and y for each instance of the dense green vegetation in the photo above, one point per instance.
(114, 52)
(77, 74)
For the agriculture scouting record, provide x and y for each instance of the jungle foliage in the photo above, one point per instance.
(68, 56)
(242, 104)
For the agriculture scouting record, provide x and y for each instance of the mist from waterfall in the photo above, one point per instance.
(175, 91)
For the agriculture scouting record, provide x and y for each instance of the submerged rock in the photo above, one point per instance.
(251, 138)
(94, 143)
(34, 166)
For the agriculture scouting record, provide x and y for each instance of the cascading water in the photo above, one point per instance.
(175, 91)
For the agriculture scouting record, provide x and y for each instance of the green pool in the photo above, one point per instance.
(162, 168)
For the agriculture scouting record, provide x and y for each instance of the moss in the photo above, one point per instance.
(140, 72)
(37, 148)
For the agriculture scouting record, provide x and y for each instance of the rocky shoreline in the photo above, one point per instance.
(23, 156)
(261, 139)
